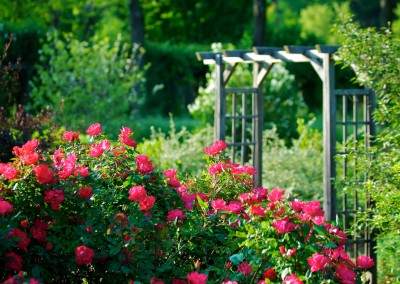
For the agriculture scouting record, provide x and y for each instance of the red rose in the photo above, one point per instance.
(85, 192)
(81, 171)
(94, 129)
(23, 240)
(84, 255)
(147, 203)
(43, 174)
(270, 273)
(54, 197)
(14, 261)
(30, 158)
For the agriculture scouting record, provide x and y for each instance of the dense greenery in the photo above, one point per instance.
(375, 56)
(101, 81)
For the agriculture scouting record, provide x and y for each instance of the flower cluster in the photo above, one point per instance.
(102, 212)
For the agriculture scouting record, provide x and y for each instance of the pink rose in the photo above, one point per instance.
(137, 193)
(5, 207)
(171, 173)
(284, 225)
(345, 274)
(197, 278)
(292, 279)
(94, 129)
(215, 148)
(365, 262)
(245, 268)
(276, 194)
(257, 210)
(8, 171)
(128, 141)
(175, 214)
(218, 204)
(70, 136)
(318, 262)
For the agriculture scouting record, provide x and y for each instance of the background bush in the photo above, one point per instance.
(89, 81)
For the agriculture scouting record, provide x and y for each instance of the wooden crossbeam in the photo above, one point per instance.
(327, 48)
(297, 49)
(266, 50)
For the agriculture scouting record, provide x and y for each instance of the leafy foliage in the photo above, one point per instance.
(101, 80)
(375, 58)
(305, 179)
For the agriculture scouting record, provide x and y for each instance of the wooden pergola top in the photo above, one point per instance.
(288, 53)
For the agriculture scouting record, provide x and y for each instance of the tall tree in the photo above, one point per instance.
(387, 11)
(259, 17)
(136, 21)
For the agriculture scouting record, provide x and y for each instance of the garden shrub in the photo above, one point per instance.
(179, 149)
(99, 80)
(375, 55)
(305, 178)
(101, 212)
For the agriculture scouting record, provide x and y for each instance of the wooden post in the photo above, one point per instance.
(220, 99)
(258, 105)
(329, 136)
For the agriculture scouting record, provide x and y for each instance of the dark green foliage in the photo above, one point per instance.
(16, 130)
(181, 21)
(173, 78)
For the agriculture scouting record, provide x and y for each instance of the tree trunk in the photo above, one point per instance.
(137, 22)
(387, 11)
(259, 18)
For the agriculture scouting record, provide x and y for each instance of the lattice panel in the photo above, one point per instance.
(240, 120)
(356, 128)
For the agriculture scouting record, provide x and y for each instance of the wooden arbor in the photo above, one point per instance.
(246, 120)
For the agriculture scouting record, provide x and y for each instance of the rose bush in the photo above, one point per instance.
(100, 212)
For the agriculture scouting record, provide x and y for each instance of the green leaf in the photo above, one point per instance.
(36, 271)
(320, 230)
(330, 245)
(236, 259)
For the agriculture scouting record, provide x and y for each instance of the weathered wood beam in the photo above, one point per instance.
(327, 48)
(297, 49)
(262, 74)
